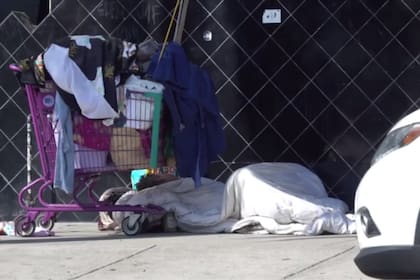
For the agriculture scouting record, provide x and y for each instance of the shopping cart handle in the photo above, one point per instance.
(14, 67)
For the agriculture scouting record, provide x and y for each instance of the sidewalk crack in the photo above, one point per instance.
(111, 263)
(318, 263)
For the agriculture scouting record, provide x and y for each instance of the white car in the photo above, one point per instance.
(387, 205)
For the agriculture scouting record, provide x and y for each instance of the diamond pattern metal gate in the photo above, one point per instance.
(320, 89)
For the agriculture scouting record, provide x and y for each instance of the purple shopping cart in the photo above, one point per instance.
(97, 148)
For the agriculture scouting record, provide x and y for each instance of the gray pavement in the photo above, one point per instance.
(80, 251)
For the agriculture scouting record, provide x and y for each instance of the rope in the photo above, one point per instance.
(165, 41)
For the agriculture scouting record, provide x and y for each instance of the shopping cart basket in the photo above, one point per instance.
(98, 148)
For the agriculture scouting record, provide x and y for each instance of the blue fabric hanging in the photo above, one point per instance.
(190, 96)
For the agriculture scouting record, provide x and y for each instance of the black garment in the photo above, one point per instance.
(101, 54)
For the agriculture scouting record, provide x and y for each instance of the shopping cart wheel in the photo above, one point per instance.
(23, 227)
(44, 224)
(131, 225)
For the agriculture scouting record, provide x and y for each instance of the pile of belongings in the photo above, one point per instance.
(275, 198)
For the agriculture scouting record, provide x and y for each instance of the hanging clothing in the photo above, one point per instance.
(190, 96)
(68, 76)
(102, 63)
(64, 162)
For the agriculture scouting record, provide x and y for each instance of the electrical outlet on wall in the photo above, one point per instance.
(271, 16)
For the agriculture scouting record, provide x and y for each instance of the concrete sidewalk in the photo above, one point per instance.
(80, 251)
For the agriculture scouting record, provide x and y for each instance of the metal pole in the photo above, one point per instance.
(28, 150)
(178, 19)
(28, 197)
(179, 30)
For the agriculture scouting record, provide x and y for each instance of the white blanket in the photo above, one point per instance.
(277, 198)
